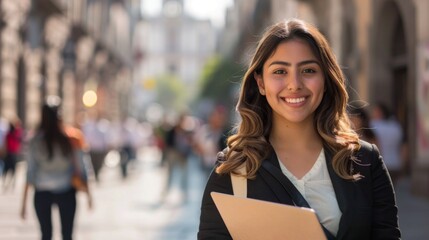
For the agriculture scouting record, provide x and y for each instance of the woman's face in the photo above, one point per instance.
(293, 82)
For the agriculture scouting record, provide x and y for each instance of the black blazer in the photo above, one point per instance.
(368, 205)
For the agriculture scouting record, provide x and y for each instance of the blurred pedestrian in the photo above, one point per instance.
(96, 135)
(160, 137)
(360, 120)
(13, 142)
(390, 138)
(208, 139)
(177, 150)
(53, 159)
(3, 131)
(127, 148)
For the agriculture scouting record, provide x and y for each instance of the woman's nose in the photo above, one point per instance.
(294, 82)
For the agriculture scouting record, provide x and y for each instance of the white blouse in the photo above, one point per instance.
(316, 187)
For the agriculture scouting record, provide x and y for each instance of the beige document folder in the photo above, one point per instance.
(251, 219)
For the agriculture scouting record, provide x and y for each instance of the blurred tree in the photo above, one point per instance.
(219, 80)
(172, 93)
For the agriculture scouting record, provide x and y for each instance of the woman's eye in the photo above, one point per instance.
(308, 70)
(279, 71)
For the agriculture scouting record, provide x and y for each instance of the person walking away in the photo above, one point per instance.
(390, 137)
(52, 161)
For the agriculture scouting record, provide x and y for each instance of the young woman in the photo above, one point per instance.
(54, 157)
(292, 105)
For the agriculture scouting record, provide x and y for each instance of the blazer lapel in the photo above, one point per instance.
(276, 187)
(338, 183)
(343, 192)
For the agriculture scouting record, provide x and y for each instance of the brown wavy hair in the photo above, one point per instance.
(249, 144)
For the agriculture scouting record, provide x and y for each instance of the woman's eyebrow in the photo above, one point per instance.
(289, 64)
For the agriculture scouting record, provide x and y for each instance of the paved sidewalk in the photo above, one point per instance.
(413, 213)
(131, 209)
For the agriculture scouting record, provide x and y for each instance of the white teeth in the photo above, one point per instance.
(295, 100)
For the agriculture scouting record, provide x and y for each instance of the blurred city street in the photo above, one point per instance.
(165, 74)
(131, 208)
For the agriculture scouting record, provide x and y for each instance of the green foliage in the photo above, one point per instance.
(171, 93)
(220, 78)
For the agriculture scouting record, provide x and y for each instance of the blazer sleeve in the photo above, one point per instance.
(211, 223)
(385, 212)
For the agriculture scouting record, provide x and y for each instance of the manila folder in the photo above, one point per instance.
(251, 219)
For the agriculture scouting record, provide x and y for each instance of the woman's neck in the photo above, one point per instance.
(296, 146)
(294, 136)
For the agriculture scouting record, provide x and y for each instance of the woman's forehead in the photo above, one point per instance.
(291, 52)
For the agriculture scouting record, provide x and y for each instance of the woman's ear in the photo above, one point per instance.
(260, 82)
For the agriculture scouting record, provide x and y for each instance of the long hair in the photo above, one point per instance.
(52, 129)
(250, 144)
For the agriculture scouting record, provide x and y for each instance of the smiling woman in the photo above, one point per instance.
(294, 143)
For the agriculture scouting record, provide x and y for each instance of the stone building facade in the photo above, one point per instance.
(65, 48)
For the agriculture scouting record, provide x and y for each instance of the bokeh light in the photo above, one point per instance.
(89, 98)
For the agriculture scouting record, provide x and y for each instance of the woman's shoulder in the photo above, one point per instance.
(367, 154)
(367, 147)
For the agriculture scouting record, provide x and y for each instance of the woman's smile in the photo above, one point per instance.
(294, 101)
